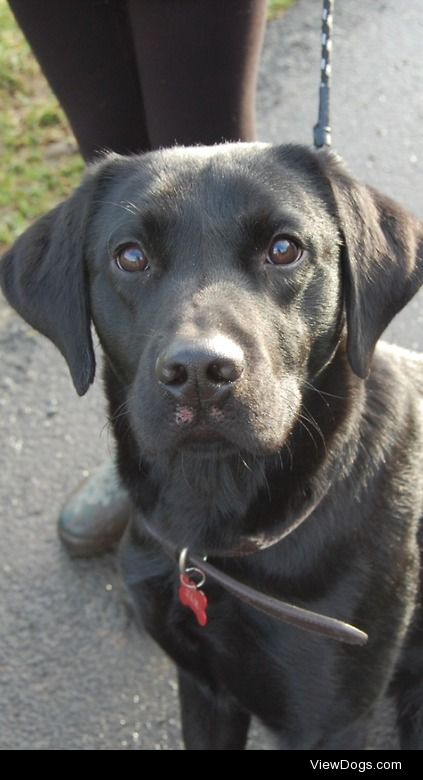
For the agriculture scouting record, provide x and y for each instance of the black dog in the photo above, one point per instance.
(238, 293)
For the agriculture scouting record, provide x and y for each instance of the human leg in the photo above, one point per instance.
(85, 50)
(197, 64)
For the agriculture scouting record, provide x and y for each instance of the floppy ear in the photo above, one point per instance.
(382, 259)
(43, 276)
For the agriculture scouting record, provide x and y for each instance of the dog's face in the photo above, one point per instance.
(215, 290)
(219, 281)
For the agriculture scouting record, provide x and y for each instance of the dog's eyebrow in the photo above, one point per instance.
(139, 223)
(259, 227)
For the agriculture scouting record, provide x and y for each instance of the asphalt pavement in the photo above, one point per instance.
(75, 673)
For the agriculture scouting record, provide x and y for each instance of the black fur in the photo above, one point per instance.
(317, 416)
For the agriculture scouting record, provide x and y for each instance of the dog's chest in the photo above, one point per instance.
(271, 669)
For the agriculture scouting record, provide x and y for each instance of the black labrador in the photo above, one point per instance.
(238, 292)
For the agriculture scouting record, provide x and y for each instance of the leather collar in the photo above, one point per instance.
(276, 608)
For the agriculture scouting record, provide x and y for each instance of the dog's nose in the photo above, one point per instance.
(200, 369)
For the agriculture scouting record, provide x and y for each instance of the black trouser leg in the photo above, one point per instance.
(85, 50)
(133, 75)
(198, 62)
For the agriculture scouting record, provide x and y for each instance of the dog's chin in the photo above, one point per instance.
(213, 447)
(212, 444)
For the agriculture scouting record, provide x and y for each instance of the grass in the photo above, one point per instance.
(40, 164)
(276, 7)
(39, 160)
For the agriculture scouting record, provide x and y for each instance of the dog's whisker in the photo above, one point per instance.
(267, 486)
(244, 462)
(291, 457)
(184, 474)
(323, 393)
(124, 205)
(121, 411)
(121, 406)
(309, 417)
(149, 332)
(301, 418)
(132, 205)
(118, 415)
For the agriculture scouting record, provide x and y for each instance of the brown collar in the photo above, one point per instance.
(288, 613)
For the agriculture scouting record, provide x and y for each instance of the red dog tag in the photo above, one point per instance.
(194, 598)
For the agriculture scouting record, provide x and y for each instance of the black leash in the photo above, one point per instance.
(322, 131)
(306, 619)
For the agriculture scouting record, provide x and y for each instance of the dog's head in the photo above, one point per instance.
(221, 282)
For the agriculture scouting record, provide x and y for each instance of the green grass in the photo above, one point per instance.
(39, 162)
(276, 7)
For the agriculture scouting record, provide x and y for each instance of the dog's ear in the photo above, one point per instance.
(382, 259)
(43, 276)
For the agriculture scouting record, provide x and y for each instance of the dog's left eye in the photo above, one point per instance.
(131, 258)
(284, 251)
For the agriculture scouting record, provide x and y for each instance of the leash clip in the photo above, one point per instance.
(185, 570)
(190, 593)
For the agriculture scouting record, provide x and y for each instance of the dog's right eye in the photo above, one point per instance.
(131, 258)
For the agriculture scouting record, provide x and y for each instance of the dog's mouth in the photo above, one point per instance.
(203, 433)
(203, 430)
(207, 441)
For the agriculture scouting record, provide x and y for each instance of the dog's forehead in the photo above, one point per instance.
(222, 179)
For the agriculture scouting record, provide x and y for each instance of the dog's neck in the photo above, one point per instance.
(203, 499)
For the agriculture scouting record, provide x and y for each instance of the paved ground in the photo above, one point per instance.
(74, 673)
